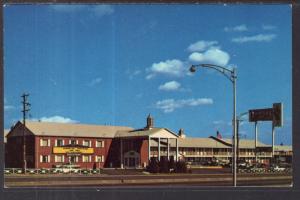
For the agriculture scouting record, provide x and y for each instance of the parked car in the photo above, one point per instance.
(277, 168)
(65, 169)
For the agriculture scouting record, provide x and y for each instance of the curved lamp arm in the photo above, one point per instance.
(230, 74)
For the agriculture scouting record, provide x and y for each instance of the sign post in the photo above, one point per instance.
(274, 114)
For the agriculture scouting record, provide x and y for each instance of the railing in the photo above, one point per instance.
(52, 171)
(283, 153)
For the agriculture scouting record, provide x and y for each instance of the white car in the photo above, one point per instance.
(66, 169)
(278, 169)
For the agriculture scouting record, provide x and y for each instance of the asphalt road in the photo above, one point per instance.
(46, 181)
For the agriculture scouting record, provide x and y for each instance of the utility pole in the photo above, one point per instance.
(25, 110)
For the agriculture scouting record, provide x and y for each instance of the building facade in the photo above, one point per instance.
(50, 145)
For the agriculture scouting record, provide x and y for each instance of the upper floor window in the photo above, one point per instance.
(73, 142)
(86, 143)
(99, 143)
(45, 142)
(59, 142)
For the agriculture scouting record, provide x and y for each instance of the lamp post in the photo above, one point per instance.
(231, 75)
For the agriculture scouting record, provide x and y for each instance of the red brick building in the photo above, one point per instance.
(50, 145)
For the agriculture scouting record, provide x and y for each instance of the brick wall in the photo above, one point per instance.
(48, 151)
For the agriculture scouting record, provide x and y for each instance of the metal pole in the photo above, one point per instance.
(176, 149)
(273, 141)
(121, 161)
(168, 149)
(234, 127)
(24, 138)
(159, 149)
(238, 140)
(149, 149)
(256, 143)
(24, 111)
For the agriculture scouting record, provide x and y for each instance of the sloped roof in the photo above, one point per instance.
(201, 143)
(6, 131)
(283, 148)
(191, 143)
(244, 143)
(74, 130)
(145, 133)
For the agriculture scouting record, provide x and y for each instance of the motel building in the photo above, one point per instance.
(51, 145)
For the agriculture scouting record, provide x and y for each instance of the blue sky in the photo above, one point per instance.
(115, 64)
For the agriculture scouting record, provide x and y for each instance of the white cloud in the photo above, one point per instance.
(9, 107)
(67, 8)
(169, 67)
(218, 122)
(239, 28)
(101, 10)
(57, 119)
(150, 76)
(169, 105)
(268, 27)
(255, 38)
(96, 10)
(170, 86)
(133, 74)
(212, 56)
(201, 45)
(95, 81)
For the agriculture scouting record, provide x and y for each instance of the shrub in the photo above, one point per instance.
(181, 167)
(153, 166)
(164, 165)
(171, 163)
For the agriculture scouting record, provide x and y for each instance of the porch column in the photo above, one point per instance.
(159, 149)
(149, 149)
(168, 149)
(176, 149)
(121, 153)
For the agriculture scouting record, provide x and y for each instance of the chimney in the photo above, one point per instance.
(150, 122)
(219, 136)
(181, 133)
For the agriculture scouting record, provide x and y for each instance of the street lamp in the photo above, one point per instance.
(231, 75)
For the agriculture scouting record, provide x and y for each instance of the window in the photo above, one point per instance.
(45, 142)
(59, 158)
(86, 143)
(73, 142)
(86, 158)
(59, 142)
(44, 158)
(99, 158)
(99, 143)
